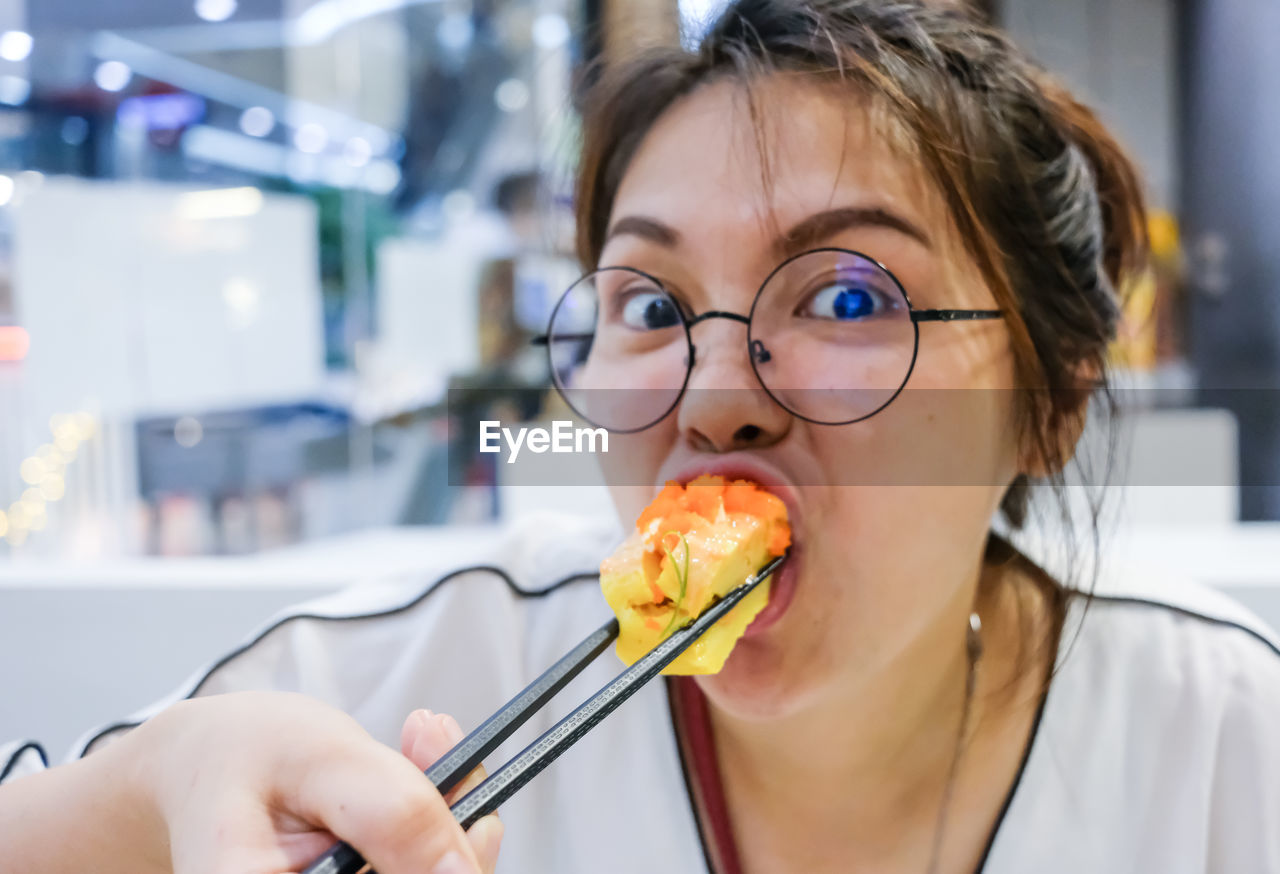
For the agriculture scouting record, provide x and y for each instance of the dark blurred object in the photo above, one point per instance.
(501, 338)
(1168, 262)
(454, 113)
(229, 458)
(1230, 206)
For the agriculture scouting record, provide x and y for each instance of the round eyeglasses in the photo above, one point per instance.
(831, 335)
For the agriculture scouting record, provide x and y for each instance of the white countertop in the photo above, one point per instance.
(1245, 554)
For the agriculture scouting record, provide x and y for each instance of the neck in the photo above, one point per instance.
(872, 751)
(871, 760)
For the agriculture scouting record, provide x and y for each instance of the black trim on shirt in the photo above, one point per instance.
(686, 772)
(375, 614)
(1124, 600)
(685, 767)
(1017, 780)
(1117, 601)
(17, 754)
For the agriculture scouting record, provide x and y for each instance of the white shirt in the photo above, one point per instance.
(1157, 750)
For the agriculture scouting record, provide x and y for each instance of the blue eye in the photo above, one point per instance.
(843, 302)
(649, 311)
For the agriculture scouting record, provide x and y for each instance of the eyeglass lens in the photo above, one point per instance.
(831, 339)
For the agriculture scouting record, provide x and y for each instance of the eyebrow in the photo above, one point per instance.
(825, 225)
(811, 231)
(646, 229)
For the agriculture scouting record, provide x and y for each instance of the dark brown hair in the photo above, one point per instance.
(1046, 202)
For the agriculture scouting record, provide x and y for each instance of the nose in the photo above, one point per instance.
(724, 407)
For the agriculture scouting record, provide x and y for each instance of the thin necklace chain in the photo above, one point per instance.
(973, 652)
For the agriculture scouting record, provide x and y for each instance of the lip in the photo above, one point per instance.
(750, 467)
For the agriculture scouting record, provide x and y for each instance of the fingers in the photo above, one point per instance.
(485, 838)
(404, 827)
(427, 736)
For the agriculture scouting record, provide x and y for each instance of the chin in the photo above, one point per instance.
(758, 682)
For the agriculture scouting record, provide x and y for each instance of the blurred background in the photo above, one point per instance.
(246, 246)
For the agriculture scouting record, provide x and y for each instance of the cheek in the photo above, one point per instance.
(906, 554)
(925, 438)
(954, 423)
(884, 567)
(631, 467)
(902, 528)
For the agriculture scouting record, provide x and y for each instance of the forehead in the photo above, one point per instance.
(725, 164)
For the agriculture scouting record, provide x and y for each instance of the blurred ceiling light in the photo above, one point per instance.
(32, 470)
(550, 31)
(161, 112)
(50, 454)
(226, 148)
(242, 299)
(17, 532)
(15, 45)
(75, 130)
(382, 177)
(112, 75)
(384, 143)
(301, 168)
(14, 90)
(511, 95)
(6, 189)
(63, 427)
(357, 152)
(14, 343)
(257, 121)
(229, 149)
(311, 138)
(216, 10)
(188, 432)
(455, 31)
(53, 487)
(86, 425)
(458, 205)
(219, 203)
(36, 518)
(33, 498)
(4, 523)
(327, 17)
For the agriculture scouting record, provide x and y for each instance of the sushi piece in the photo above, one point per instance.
(692, 545)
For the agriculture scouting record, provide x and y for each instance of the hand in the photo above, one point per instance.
(260, 783)
(426, 737)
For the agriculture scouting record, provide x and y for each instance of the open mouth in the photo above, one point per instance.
(746, 467)
(696, 542)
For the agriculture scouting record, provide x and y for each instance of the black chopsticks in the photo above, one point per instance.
(446, 773)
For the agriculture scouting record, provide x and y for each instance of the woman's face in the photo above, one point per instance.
(889, 514)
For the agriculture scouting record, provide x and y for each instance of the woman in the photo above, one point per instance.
(917, 697)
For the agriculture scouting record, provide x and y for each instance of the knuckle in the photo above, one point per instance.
(407, 816)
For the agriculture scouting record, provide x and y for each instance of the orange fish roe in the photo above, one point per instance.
(682, 507)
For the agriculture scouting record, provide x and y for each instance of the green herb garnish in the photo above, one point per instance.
(682, 576)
